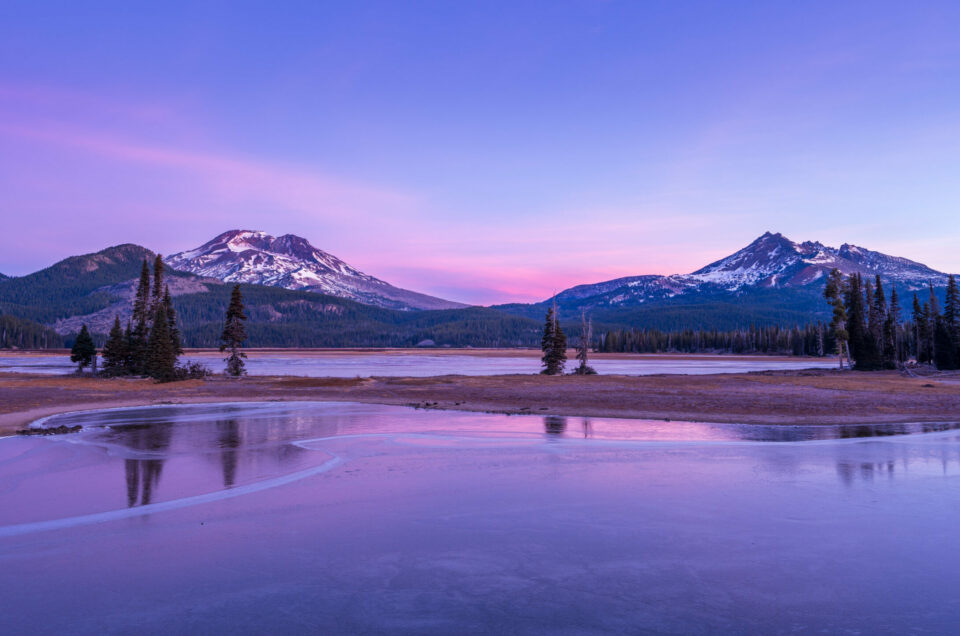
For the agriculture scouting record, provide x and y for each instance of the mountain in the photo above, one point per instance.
(93, 288)
(771, 262)
(773, 280)
(291, 262)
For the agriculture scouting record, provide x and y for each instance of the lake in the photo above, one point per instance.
(302, 518)
(349, 364)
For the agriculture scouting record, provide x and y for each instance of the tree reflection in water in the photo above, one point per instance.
(228, 436)
(143, 475)
(554, 425)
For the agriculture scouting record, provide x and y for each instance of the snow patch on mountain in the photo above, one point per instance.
(772, 261)
(291, 262)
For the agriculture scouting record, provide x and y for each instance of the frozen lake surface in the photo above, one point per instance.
(346, 518)
(365, 364)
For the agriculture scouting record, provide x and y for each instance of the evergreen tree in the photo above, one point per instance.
(175, 341)
(933, 317)
(951, 315)
(892, 354)
(583, 347)
(920, 329)
(553, 344)
(161, 358)
(156, 296)
(141, 301)
(129, 361)
(944, 354)
(838, 324)
(863, 348)
(115, 350)
(878, 312)
(142, 312)
(83, 351)
(234, 333)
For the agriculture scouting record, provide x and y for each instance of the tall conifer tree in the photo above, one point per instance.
(161, 359)
(892, 354)
(234, 334)
(951, 314)
(553, 344)
(833, 292)
(115, 350)
(141, 322)
(175, 341)
(83, 351)
(156, 296)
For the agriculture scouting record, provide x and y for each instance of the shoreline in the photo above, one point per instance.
(451, 351)
(809, 397)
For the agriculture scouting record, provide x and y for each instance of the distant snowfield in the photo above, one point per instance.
(349, 364)
(351, 518)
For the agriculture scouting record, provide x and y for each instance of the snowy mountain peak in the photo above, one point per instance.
(771, 261)
(291, 262)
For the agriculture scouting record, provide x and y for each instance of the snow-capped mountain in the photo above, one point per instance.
(291, 262)
(772, 261)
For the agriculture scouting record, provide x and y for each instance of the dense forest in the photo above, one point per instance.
(284, 318)
(21, 333)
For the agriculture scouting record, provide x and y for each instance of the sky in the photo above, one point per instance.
(484, 152)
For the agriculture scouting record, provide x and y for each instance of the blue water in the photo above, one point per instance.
(348, 518)
(365, 364)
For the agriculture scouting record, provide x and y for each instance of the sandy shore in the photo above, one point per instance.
(772, 397)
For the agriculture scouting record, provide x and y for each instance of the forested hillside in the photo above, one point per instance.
(73, 286)
(21, 333)
(284, 318)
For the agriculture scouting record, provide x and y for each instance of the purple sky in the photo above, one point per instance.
(484, 152)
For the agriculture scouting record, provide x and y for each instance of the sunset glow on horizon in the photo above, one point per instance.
(488, 153)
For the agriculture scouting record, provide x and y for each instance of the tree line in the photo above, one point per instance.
(21, 333)
(869, 332)
(809, 340)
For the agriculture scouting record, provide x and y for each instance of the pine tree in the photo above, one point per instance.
(951, 314)
(833, 292)
(559, 344)
(234, 333)
(862, 345)
(878, 312)
(142, 313)
(944, 354)
(892, 355)
(129, 361)
(553, 344)
(933, 317)
(161, 359)
(156, 296)
(920, 328)
(83, 350)
(141, 301)
(175, 342)
(115, 350)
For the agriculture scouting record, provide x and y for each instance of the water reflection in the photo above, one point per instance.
(587, 428)
(554, 425)
(229, 444)
(143, 475)
(224, 446)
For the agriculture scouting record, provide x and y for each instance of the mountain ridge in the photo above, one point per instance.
(291, 262)
(771, 261)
